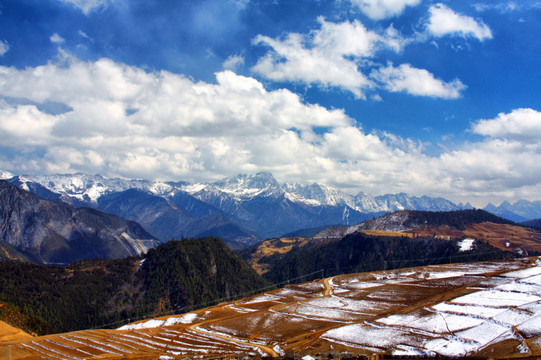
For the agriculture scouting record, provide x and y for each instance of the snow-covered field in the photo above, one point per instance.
(482, 309)
(461, 325)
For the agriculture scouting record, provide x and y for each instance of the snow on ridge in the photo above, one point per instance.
(193, 188)
(5, 175)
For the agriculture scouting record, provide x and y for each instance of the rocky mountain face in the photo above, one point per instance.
(242, 209)
(49, 232)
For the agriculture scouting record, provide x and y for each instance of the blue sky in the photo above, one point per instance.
(439, 98)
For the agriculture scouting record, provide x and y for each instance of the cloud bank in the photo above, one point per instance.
(120, 120)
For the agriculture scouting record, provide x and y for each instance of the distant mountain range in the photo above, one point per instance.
(241, 210)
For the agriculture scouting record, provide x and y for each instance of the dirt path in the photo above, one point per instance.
(328, 287)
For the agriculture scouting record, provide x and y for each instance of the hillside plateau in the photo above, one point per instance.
(484, 310)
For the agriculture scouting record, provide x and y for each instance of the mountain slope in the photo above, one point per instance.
(174, 276)
(49, 232)
(360, 252)
(519, 211)
(175, 217)
(413, 226)
(412, 220)
(478, 224)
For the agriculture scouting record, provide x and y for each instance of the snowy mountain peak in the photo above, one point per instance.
(89, 188)
(316, 194)
(246, 186)
(5, 175)
(261, 180)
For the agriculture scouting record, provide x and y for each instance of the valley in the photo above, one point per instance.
(486, 309)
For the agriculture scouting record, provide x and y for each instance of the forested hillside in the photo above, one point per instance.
(175, 276)
(454, 219)
(359, 252)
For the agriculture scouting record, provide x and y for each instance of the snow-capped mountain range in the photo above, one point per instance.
(89, 188)
(242, 208)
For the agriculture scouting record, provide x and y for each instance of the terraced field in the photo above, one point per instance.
(490, 309)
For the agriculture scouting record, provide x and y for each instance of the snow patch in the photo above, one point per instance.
(466, 245)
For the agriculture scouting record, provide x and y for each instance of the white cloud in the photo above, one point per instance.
(87, 6)
(522, 125)
(505, 7)
(125, 116)
(444, 21)
(507, 161)
(85, 36)
(328, 56)
(123, 121)
(4, 47)
(420, 82)
(233, 62)
(56, 39)
(381, 9)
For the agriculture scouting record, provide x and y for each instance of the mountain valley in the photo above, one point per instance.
(171, 278)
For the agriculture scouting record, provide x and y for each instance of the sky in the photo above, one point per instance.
(438, 98)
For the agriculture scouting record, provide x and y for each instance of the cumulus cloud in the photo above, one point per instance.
(444, 21)
(522, 125)
(124, 116)
(120, 120)
(507, 161)
(328, 56)
(381, 9)
(420, 82)
(233, 62)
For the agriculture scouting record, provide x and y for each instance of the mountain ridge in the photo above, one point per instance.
(251, 207)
